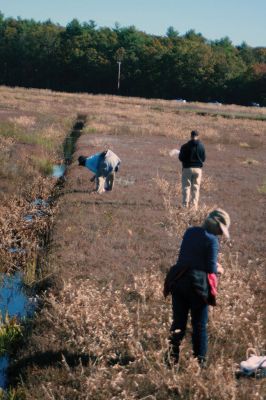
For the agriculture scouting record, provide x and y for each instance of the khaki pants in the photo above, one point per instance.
(100, 182)
(103, 183)
(191, 179)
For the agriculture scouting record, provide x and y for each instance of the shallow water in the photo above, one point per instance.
(13, 299)
(40, 202)
(14, 302)
(68, 150)
(16, 250)
(70, 142)
(58, 171)
(4, 361)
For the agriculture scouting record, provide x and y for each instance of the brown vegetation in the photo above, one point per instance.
(103, 334)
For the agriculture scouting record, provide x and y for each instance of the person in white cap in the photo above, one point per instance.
(187, 281)
(104, 165)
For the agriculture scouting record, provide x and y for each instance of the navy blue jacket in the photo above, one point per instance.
(192, 154)
(197, 257)
(199, 250)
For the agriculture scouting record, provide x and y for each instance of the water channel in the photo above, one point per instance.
(15, 300)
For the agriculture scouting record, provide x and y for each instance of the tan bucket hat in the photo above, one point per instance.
(223, 220)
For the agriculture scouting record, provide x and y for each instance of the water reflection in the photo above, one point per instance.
(58, 171)
(40, 202)
(13, 299)
(13, 250)
(4, 361)
(68, 148)
(14, 302)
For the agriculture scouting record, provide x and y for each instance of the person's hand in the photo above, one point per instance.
(220, 269)
(166, 291)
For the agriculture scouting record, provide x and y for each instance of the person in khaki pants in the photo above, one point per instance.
(192, 155)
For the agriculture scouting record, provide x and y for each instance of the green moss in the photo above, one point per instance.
(10, 332)
(12, 394)
(8, 130)
(262, 188)
(44, 165)
(89, 129)
(157, 108)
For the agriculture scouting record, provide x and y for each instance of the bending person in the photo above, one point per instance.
(104, 165)
(187, 281)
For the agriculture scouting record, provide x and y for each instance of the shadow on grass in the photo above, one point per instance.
(50, 359)
(101, 200)
(59, 359)
(121, 359)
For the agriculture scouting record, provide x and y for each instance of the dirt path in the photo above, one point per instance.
(100, 235)
(104, 233)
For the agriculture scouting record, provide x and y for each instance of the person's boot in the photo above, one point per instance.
(202, 362)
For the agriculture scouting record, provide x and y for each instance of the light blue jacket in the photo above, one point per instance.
(102, 166)
(92, 162)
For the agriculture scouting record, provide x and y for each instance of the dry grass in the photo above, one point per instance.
(117, 333)
(118, 116)
(21, 237)
(262, 188)
(32, 131)
(124, 333)
(120, 335)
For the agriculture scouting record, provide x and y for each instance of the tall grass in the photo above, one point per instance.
(10, 332)
(120, 335)
(124, 333)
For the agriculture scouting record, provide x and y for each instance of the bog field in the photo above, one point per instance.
(93, 265)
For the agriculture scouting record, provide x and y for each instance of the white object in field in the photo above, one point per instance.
(174, 153)
(252, 363)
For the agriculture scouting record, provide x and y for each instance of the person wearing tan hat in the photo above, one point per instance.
(187, 281)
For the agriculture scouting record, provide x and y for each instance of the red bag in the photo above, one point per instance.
(213, 284)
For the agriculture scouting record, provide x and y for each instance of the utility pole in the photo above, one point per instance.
(119, 70)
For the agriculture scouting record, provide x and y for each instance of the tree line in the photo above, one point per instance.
(82, 57)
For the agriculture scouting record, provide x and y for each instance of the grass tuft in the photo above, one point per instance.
(10, 333)
(262, 188)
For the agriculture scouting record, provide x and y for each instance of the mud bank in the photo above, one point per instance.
(19, 296)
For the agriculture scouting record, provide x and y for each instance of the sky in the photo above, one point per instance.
(240, 20)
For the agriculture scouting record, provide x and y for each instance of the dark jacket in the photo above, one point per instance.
(199, 250)
(197, 257)
(192, 280)
(192, 154)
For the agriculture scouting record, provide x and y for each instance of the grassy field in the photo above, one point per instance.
(101, 329)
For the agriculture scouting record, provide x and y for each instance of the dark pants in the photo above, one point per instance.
(110, 179)
(104, 177)
(185, 299)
